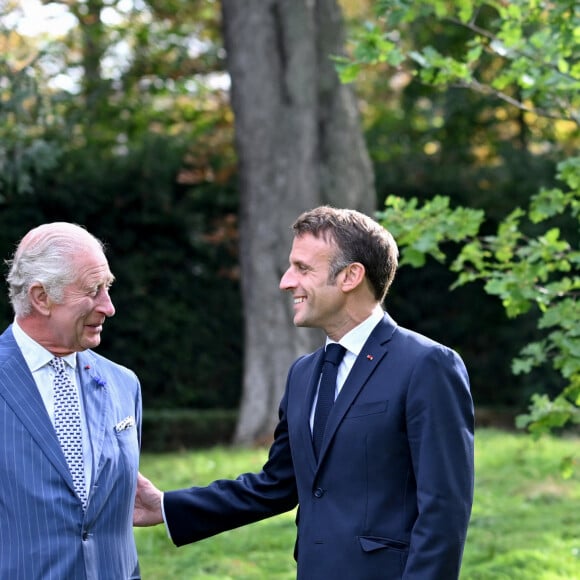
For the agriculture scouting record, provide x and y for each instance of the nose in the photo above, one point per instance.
(105, 304)
(287, 281)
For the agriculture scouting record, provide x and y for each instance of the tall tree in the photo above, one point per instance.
(299, 145)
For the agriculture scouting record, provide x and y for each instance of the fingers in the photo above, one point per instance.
(148, 499)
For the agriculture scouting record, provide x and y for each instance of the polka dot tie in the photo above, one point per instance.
(67, 422)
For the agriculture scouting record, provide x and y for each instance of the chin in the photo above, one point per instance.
(93, 343)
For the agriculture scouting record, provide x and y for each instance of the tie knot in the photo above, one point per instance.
(58, 364)
(334, 353)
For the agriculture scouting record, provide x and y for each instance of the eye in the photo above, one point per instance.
(94, 292)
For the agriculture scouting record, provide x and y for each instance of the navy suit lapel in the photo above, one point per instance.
(311, 379)
(371, 355)
(20, 392)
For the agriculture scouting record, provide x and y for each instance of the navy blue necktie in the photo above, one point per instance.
(332, 357)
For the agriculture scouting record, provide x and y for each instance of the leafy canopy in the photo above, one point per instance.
(525, 53)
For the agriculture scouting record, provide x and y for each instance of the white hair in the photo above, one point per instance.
(46, 255)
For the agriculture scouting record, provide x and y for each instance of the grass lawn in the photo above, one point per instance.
(525, 523)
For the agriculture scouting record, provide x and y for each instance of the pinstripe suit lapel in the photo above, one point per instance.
(20, 392)
(96, 400)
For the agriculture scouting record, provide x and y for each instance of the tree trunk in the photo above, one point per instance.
(94, 46)
(299, 145)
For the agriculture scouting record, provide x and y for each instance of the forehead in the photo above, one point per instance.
(91, 266)
(308, 249)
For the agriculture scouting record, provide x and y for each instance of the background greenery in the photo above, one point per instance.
(525, 522)
(143, 156)
(523, 54)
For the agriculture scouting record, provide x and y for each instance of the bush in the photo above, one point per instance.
(171, 429)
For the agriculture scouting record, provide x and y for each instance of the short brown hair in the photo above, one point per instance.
(358, 238)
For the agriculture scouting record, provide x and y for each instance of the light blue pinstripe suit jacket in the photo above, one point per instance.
(44, 534)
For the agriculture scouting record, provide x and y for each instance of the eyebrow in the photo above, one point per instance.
(300, 263)
(108, 281)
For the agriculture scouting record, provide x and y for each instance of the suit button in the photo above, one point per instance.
(85, 536)
(318, 492)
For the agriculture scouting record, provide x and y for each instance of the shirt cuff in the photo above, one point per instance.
(163, 514)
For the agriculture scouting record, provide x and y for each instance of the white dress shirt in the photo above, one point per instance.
(37, 359)
(353, 341)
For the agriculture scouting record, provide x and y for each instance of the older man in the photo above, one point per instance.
(69, 418)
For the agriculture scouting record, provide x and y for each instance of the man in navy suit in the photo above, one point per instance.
(69, 449)
(389, 494)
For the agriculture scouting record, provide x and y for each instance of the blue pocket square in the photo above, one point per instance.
(126, 423)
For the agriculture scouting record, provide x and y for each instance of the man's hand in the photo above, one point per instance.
(148, 500)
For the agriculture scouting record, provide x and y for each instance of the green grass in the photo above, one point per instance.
(525, 523)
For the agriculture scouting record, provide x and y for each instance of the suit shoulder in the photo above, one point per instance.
(305, 360)
(8, 346)
(402, 333)
(421, 344)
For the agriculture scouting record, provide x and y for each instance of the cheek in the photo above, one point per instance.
(82, 307)
(71, 316)
(331, 298)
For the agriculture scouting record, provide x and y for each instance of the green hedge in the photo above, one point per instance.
(172, 430)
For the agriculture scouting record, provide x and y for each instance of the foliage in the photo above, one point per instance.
(525, 54)
(524, 273)
(141, 155)
(151, 170)
(518, 495)
(480, 153)
(176, 429)
(421, 230)
(535, 46)
(25, 116)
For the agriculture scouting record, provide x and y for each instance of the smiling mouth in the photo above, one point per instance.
(299, 300)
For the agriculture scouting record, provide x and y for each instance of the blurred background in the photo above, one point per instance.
(189, 134)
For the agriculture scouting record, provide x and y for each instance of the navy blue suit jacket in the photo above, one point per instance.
(44, 532)
(391, 495)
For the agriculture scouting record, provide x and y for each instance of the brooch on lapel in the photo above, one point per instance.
(100, 382)
(370, 357)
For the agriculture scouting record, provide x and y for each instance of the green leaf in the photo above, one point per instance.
(348, 73)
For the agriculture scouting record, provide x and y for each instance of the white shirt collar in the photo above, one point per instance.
(355, 339)
(35, 355)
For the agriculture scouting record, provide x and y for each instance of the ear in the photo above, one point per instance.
(352, 276)
(39, 299)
